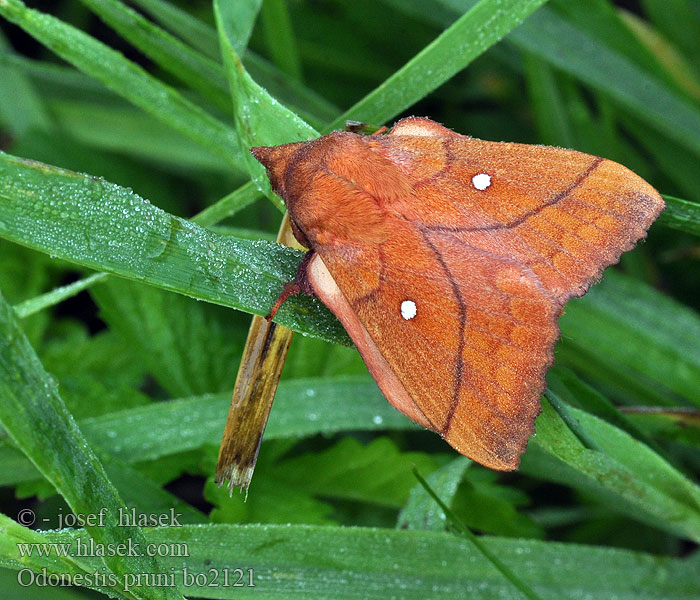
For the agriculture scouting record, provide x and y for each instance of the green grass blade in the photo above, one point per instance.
(189, 66)
(648, 467)
(16, 467)
(240, 20)
(317, 562)
(507, 573)
(195, 32)
(421, 511)
(679, 21)
(34, 415)
(13, 536)
(309, 104)
(99, 225)
(126, 79)
(677, 68)
(471, 35)
(229, 205)
(574, 391)
(21, 107)
(605, 22)
(119, 127)
(303, 408)
(681, 214)
(673, 162)
(587, 57)
(551, 116)
(639, 331)
(626, 475)
(630, 475)
(298, 412)
(279, 36)
(576, 52)
(57, 81)
(144, 495)
(574, 426)
(33, 305)
(260, 119)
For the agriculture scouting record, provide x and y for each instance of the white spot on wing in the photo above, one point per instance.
(408, 309)
(481, 181)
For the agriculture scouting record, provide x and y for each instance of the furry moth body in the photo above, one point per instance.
(448, 260)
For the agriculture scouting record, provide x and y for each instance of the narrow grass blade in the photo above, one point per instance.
(260, 119)
(228, 206)
(14, 536)
(561, 43)
(34, 415)
(421, 512)
(625, 474)
(413, 565)
(21, 107)
(550, 111)
(306, 102)
(239, 24)
(279, 36)
(681, 214)
(473, 33)
(189, 66)
(99, 225)
(125, 78)
(549, 36)
(318, 562)
(303, 408)
(507, 573)
(33, 305)
(195, 32)
(118, 127)
(639, 334)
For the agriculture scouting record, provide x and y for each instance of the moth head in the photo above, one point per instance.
(276, 160)
(336, 188)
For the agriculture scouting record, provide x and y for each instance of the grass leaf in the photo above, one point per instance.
(190, 67)
(421, 511)
(125, 78)
(151, 245)
(474, 32)
(260, 119)
(34, 415)
(627, 474)
(322, 562)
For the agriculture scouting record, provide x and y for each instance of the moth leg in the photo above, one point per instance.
(300, 285)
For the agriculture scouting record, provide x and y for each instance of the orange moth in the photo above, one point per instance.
(448, 260)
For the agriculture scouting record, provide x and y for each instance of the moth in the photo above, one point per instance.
(448, 260)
